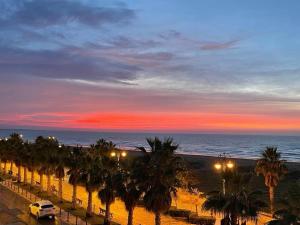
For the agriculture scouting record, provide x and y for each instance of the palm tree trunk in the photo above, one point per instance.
(4, 168)
(25, 175)
(233, 219)
(19, 174)
(60, 182)
(49, 184)
(89, 211)
(41, 180)
(130, 217)
(271, 195)
(74, 196)
(157, 218)
(32, 178)
(107, 214)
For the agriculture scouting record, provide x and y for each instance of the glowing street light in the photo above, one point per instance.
(223, 164)
(230, 165)
(218, 166)
(118, 155)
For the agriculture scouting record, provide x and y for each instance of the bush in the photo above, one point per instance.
(179, 212)
(201, 220)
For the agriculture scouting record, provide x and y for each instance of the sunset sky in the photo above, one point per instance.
(160, 65)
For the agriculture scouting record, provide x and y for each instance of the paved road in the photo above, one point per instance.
(14, 211)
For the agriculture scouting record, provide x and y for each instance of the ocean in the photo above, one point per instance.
(237, 146)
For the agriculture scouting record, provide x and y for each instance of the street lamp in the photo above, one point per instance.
(223, 164)
(118, 155)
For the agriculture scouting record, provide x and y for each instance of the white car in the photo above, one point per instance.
(42, 209)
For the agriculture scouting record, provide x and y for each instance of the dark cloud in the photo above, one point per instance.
(211, 46)
(63, 64)
(171, 34)
(125, 42)
(42, 13)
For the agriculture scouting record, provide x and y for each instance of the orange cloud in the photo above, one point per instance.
(161, 122)
(185, 122)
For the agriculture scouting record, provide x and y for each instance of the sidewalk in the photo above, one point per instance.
(61, 215)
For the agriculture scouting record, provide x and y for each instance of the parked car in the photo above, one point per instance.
(42, 209)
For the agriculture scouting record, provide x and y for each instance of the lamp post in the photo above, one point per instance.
(118, 155)
(223, 164)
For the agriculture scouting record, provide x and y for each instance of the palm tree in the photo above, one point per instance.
(32, 162)
(46, 150)
(128, 190)
(238, 203)
(25, 160)
(91, 177)
(160, 173)
(59, 170)
(108, 191)
(75, 169)
(272, 167)
(104, 147)
(3, 154)
(40, 158)
(16, 145)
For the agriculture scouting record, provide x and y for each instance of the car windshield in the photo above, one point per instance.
(47, 206)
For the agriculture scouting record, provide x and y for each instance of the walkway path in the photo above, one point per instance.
(141, 216)
(14, 196)
(14, 210)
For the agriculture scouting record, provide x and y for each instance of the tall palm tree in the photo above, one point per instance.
(16, 145)
(59, 170)
(25, 160)
(108, 191)
(75, 169)
(91, 177)
(160, 175)
(238, 203)
(128, 190)
(3, 154)
(46, 150)
(104, 147)
(272, 167)
(32, 162)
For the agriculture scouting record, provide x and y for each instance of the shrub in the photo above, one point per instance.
(179, 212)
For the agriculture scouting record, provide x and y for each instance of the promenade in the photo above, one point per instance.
(184, 200)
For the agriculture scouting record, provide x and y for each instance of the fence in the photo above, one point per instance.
(61, 214)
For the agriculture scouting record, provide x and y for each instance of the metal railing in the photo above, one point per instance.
(63, 215)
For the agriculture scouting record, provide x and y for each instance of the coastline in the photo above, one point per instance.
(239, 146)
